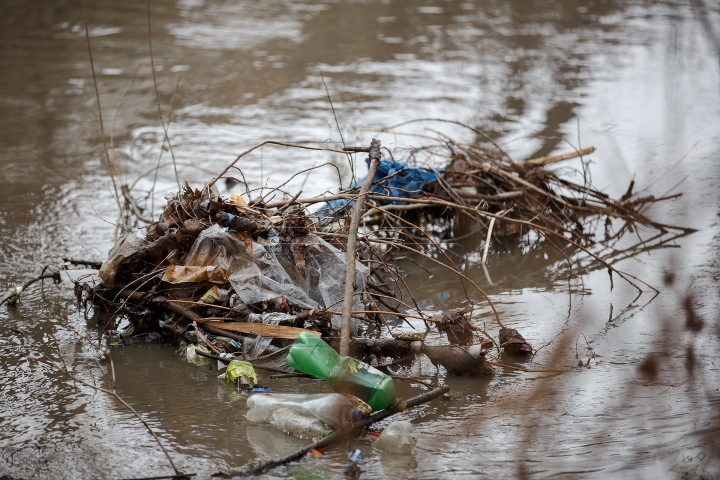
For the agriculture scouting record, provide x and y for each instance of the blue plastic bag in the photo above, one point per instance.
(393, 178)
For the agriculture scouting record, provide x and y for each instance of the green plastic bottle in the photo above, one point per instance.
(313, 356)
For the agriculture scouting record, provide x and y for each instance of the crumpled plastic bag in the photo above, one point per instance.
(254, 347)
(194, 358)
(238, 368)
(273, 275)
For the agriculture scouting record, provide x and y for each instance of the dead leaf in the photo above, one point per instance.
(297, 247)
(286, 305)
(248, 242)
(514, 343)
(237, 200)
(457, 328)
(315, 453)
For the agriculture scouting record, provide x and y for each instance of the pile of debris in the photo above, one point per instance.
(246, 278)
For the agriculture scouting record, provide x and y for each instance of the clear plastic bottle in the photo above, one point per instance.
(313, 356)
(331, 409)
(294, 423)
(398, 437)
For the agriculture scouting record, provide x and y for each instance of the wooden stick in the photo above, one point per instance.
(264, 329)
(539, 162)
(487, 241)
(138, 297)
(350, 250)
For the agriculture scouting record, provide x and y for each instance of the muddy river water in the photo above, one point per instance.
(640, 81)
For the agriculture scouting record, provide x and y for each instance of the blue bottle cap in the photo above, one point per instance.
(356, 415)
(261, 390)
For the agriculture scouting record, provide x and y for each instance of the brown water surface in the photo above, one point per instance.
(638, 80)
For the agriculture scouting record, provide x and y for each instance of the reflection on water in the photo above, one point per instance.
(639, 81)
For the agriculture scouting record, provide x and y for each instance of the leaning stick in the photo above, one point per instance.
(45, 360)
(350, 250)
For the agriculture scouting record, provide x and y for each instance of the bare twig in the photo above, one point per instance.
(157, 98)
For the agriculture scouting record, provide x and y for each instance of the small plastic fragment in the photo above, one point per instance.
(214, 295)
(261, 390)
(237, 200)
(315, 453)
(352, 468)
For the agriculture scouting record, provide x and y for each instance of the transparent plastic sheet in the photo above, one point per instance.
(216, 247)
(275, 360)
(269, 273)
(325, 273)
(278, 276)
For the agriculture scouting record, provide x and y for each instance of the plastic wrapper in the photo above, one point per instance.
(236, 369)
(194, 358)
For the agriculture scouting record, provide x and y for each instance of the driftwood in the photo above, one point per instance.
(264, 329)
(459, 360)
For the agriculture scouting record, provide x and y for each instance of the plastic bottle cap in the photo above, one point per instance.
(356, 415)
